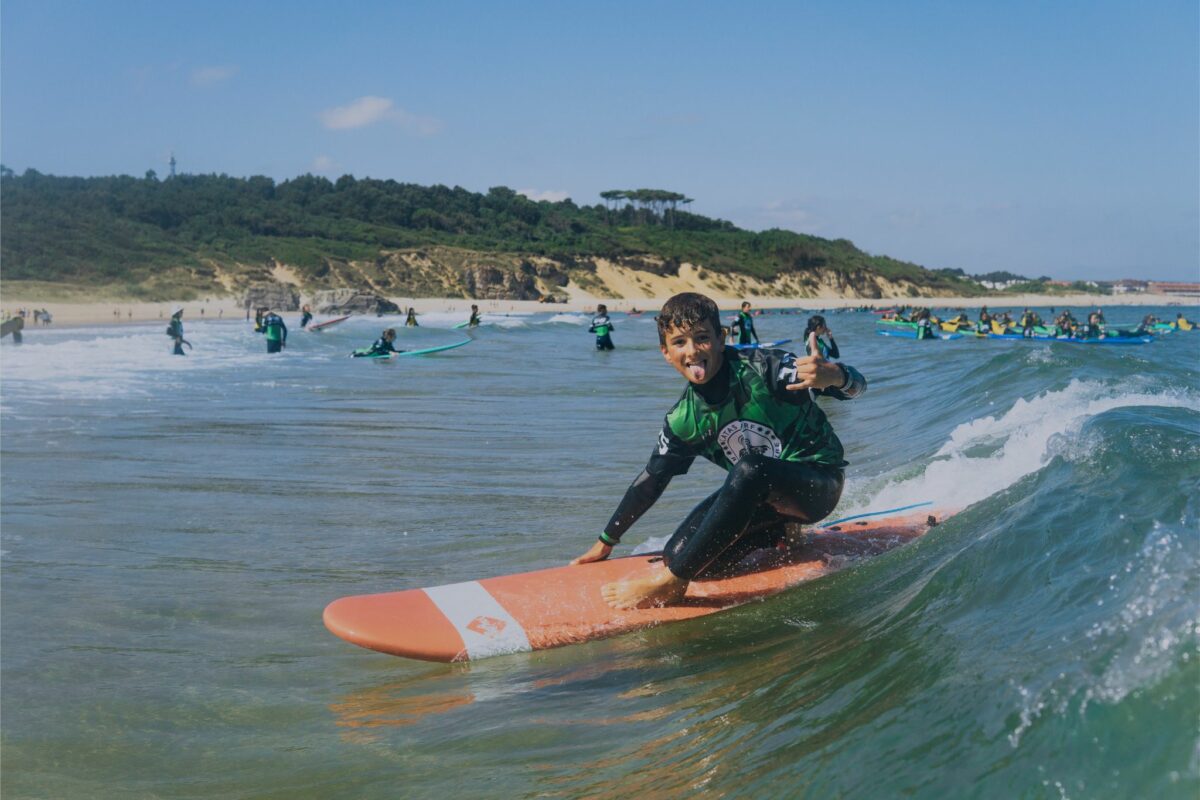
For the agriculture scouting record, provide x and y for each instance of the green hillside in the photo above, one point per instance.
(152, 237)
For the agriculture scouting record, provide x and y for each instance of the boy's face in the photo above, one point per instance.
(696, 353)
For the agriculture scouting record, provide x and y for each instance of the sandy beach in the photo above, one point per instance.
(229, 307)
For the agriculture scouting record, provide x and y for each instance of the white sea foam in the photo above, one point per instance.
(574, 319)
(989, 454)
(97, 363)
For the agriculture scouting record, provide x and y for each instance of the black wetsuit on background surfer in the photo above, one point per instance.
(175, 331)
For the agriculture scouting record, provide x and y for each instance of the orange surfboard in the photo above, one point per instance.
(562, 605)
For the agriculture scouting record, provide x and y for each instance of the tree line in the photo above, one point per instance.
(123, 228)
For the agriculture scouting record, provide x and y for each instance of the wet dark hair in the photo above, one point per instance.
(687, 310)
(815, 323)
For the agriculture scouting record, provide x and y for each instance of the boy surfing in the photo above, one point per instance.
(753, 413)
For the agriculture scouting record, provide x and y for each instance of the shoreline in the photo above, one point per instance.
(110, 312)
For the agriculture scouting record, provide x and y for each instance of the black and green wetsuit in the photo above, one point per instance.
(276, 332)
(602, 326)
(381, 347)
(745, 325)
(783, 460)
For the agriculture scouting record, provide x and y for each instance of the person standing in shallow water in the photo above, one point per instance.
(814, 344)
(275, 330)
(305, 315)
(411, 319)
(744, 325)
(175, 330)
(602, 326)
(753, 413)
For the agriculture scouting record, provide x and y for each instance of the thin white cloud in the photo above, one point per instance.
(322, 164)
(211, 76)
(370, 110)
(363, 111)
(549, 195)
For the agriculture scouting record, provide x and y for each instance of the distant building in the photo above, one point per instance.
(1174, 287)
(1129, 285)
(1060, 284)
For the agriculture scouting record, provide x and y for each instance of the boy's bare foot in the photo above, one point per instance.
(659, 588)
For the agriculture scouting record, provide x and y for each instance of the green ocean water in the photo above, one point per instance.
(171, 529)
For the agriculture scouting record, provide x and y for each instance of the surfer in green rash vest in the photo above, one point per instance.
(812, 339)
(753, 413)
(473, 322)
(602, 326)
(744, 324)
(275, 331)
(382, 346)
(985, 321)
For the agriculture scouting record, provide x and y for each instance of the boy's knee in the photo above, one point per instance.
(747, 471)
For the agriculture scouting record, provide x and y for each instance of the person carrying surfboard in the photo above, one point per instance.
(753, 413)
(744, 324)
(305, 315)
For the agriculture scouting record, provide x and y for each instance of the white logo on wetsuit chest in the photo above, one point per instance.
(743, 436)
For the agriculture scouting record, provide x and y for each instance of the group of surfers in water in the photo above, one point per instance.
(386, 343)
(1030, 324)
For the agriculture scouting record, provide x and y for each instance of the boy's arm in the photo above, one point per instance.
(639, 497)
(670, 458)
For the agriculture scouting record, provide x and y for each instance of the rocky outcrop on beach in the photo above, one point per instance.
(352, 301)
(276, 296)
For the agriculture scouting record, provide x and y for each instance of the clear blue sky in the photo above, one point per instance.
(1056, 138)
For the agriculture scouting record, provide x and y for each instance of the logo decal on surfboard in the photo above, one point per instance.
(486, 626)
(743, 436)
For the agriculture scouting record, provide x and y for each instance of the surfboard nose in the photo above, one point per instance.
(405, 624)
